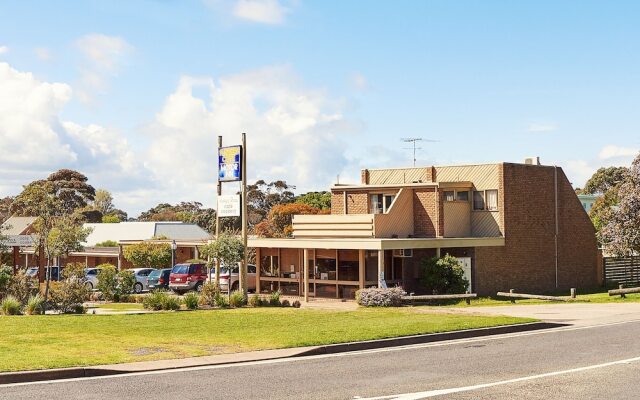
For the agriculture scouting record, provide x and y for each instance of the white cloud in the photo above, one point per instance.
(42, 53)
(542, 127)
(261, 11)
(104, 56)
(293, 132)
(611, 151)
(359, 81)
(4, 49)
(36, 142)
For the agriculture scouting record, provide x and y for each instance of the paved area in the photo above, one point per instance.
(581, 362)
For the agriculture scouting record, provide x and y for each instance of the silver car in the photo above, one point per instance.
(141, 275)
(235, 278)
(91, 278)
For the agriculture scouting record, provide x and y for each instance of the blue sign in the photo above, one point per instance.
(230, 164)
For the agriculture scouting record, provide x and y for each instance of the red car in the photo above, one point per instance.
(185, 277)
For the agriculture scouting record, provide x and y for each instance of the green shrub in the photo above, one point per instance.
(286, 303)
(125, 282)
(274, 298)
(11, 306)
(68, 296)
(255, 301)
(155, 300)
(443, 275)
(221, 300)
(237, 299)
(171, 303)
(208, 294)
(191, 300)
(107, 281)
(296, 304)
(6, 273)
(34, 305)
(21, 286)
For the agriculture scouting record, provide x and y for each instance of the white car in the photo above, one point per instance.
(91, 278)
(235, 278)
(141, 275)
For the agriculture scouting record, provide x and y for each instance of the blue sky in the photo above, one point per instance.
(143, 88)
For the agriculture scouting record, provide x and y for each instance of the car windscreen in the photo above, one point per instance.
(155, 274)
(225, 270)
(180, 269)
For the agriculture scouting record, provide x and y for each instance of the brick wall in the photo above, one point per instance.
(337, 203)
(358, 203)
(425, 212)
(527, 261)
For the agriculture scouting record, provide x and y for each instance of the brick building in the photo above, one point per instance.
(513, 226)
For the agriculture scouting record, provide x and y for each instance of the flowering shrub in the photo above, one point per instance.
(374, 297)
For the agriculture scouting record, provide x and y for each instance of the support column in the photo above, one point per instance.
(120, 258)
(258, 268)
(86, 261)
(196, 253)
(438, 252)
(380, 267)
(361, 268)
(16, 258)
(305, 254)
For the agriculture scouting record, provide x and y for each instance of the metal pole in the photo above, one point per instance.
(217, 278)
(555, 183)
(243, 266)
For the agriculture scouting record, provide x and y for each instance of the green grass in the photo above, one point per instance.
(119, 306)
(53, 341)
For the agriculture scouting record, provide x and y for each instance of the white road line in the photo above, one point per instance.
(306, 358)
(441, 392)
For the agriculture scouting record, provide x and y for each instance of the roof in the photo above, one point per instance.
(17, 225)
(144, 231)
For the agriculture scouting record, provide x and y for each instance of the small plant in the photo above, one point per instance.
(155, 300)
(208, 294)
(274, 299)
(107, 281)
(34, 305)
(67, 297)
(125, 281)
(286, 303)
(171, 303)
(255, 301)
(237, 299)
(375, 297)
(191, 300)
(296, 304)
(221, 300)
(10, 306)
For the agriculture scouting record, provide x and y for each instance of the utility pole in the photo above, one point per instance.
(243, 266)
(217, 277)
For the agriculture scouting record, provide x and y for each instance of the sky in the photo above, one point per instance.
(134, 94)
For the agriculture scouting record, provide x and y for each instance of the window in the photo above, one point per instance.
(478, 200)
(381, 203)
(462, 196)
(269, 266)
(491, 197)
(485, 200)
(449, 196)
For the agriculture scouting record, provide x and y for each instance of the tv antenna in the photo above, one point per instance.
(413, 141)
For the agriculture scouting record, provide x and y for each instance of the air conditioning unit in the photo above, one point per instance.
(405, 253)
(532, 161)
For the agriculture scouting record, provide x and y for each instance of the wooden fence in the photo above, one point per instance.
(622, 271)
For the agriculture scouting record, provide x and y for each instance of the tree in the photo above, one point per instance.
(605, 179)
(280, 219)
(103, 202)
(110, 219)
(5, 208)
(443, 275)
(262, 196)
(227, 248)
(621, 232)
(188, 212)
(107, 243)
(321, 200)
(147, 254)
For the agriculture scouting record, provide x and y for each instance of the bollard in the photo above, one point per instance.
(573, 293)
(468, 300)
(622, 295)
(512, 299)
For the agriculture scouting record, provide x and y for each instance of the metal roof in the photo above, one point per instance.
(143, 231)
(17, 225)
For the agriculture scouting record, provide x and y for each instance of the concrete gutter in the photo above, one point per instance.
(234, 358)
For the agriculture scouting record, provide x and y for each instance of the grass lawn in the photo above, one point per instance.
(52, 341)
(119, 307)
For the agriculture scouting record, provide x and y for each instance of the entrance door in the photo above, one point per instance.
(466, 267)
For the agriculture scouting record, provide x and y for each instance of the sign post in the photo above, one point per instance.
(217, 278)
(243, 266)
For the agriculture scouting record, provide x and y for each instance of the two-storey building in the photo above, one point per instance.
(517, 226)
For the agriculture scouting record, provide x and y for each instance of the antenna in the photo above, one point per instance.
(414, 140)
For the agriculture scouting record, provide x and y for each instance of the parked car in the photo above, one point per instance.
(56, 272)
(159, 279)
(235, 278)
(91, 277)
(141, 275)
(185, 277)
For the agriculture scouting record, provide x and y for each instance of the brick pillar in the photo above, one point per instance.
(364, 176)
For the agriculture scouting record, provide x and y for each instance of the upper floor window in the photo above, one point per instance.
(449, 195)
(485, 200)
(381, 203)
(462, 196)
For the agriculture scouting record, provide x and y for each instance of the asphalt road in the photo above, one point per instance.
(592, 362)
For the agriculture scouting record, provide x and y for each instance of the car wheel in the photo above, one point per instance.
(235, 286)
(88, 285)
(137, 288)
(198, 287)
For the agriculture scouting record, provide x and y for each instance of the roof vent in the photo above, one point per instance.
(532, 161)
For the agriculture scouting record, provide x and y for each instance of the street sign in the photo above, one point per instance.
(229, 205)
(18, 241)
(230, 164)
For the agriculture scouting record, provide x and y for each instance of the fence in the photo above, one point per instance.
(622, 271)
